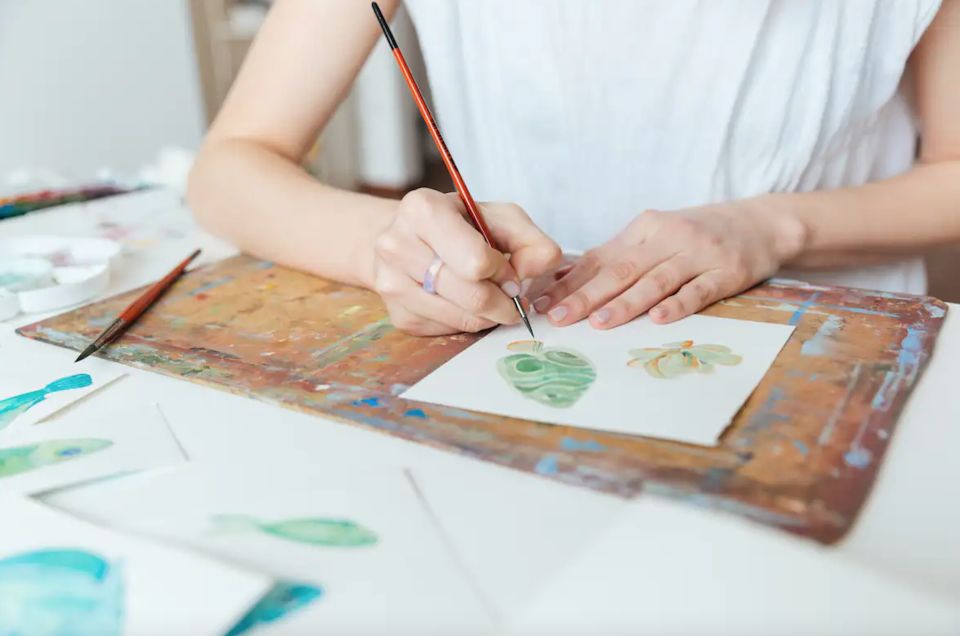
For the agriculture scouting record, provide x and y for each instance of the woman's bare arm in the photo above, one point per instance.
(916, 210)
(247, 184)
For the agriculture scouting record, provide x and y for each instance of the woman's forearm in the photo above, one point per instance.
(270, 207)
(907, 214)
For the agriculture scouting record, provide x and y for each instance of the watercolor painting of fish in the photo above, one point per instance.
(21, 459)
(13, 407)
(60, 592)
(283, 599)
(676, 359)
(316, 531)
(549, 375)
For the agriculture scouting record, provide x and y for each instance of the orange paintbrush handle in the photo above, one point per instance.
(141, 304)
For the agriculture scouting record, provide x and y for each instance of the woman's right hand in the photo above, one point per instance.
(476, 283)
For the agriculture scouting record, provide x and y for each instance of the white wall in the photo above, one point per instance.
(90, 84)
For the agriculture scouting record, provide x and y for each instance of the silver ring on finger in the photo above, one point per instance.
(430, 276)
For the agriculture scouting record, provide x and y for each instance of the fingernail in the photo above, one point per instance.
(525, 286)
(602, 317)
(510, 288)
(541, 304)
(558, 312)
(658, 312)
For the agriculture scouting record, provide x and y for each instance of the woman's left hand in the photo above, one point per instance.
(673, 264)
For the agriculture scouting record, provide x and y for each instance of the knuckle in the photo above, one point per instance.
(477, 265)
(479, 299)
(589, 261)
(385, 285)
(703, 292)
(471, 324)
(663, 281)
(387, 245)
(623, 270)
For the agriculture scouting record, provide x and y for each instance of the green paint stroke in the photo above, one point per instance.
(21, 459)
(549, 375)
(316, 531)
(680, 358)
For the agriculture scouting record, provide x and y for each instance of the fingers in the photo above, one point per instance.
(413, 309)
(657, 284)
(481, 298)
(532, 252)
(616, 275)
(582, 271)
(439, 221)
(701, 292)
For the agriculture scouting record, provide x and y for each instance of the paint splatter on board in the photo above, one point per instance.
(283, 599)
(13, 407)
(22, 459)
(60, 591)
(549, 375)
(680, 358)
(316, 531)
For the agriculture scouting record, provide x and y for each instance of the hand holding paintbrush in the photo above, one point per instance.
(471, 262)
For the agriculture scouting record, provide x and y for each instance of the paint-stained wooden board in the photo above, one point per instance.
(801, 454)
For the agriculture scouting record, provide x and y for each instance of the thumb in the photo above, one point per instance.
(532, 252)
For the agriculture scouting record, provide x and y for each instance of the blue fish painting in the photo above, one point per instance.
(13, 407)
(60, 592)
(284, 598)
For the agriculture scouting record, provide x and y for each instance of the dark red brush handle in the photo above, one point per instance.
(148, 297)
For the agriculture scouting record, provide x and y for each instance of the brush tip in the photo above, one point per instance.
(85, 353)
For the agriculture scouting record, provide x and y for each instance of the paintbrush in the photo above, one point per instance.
(472, 208)
(136, 309)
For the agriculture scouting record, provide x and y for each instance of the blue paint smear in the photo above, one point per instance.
(766, 415)
(416, 413)
(910, 348)
(13, 407)
(802, 308)
(547, 465)
(284, 598)
(858, 457)
(800, 446)
(60, 592)
(881, 399)
(588, 446)
(263, 265)
(211, 285)
(820, 343)
(935, 311)
(370, 401)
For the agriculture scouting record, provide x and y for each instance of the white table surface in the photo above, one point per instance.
(557, 559)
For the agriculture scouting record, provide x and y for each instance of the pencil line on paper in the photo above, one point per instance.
(488, 607)
(176, 440)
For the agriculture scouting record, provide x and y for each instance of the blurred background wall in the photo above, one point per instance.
(105, 84)
(95, 83)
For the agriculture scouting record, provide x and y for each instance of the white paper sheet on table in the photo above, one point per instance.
(693, 408)
(405, 583)
(139, 439)
(668, 569)
(156, 589)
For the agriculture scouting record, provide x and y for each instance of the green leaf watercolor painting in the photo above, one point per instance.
(552, 376)
(315, 531)
(676, 359)
(60, 592)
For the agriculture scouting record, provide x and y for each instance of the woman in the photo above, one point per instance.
(758, 136)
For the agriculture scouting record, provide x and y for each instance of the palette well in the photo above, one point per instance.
(800, 455)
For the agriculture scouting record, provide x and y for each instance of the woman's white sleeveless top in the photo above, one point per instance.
(587, 112)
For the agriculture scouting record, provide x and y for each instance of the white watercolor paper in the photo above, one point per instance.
(55, 568)
(70, 451)
(693, 407)
(404, 581)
